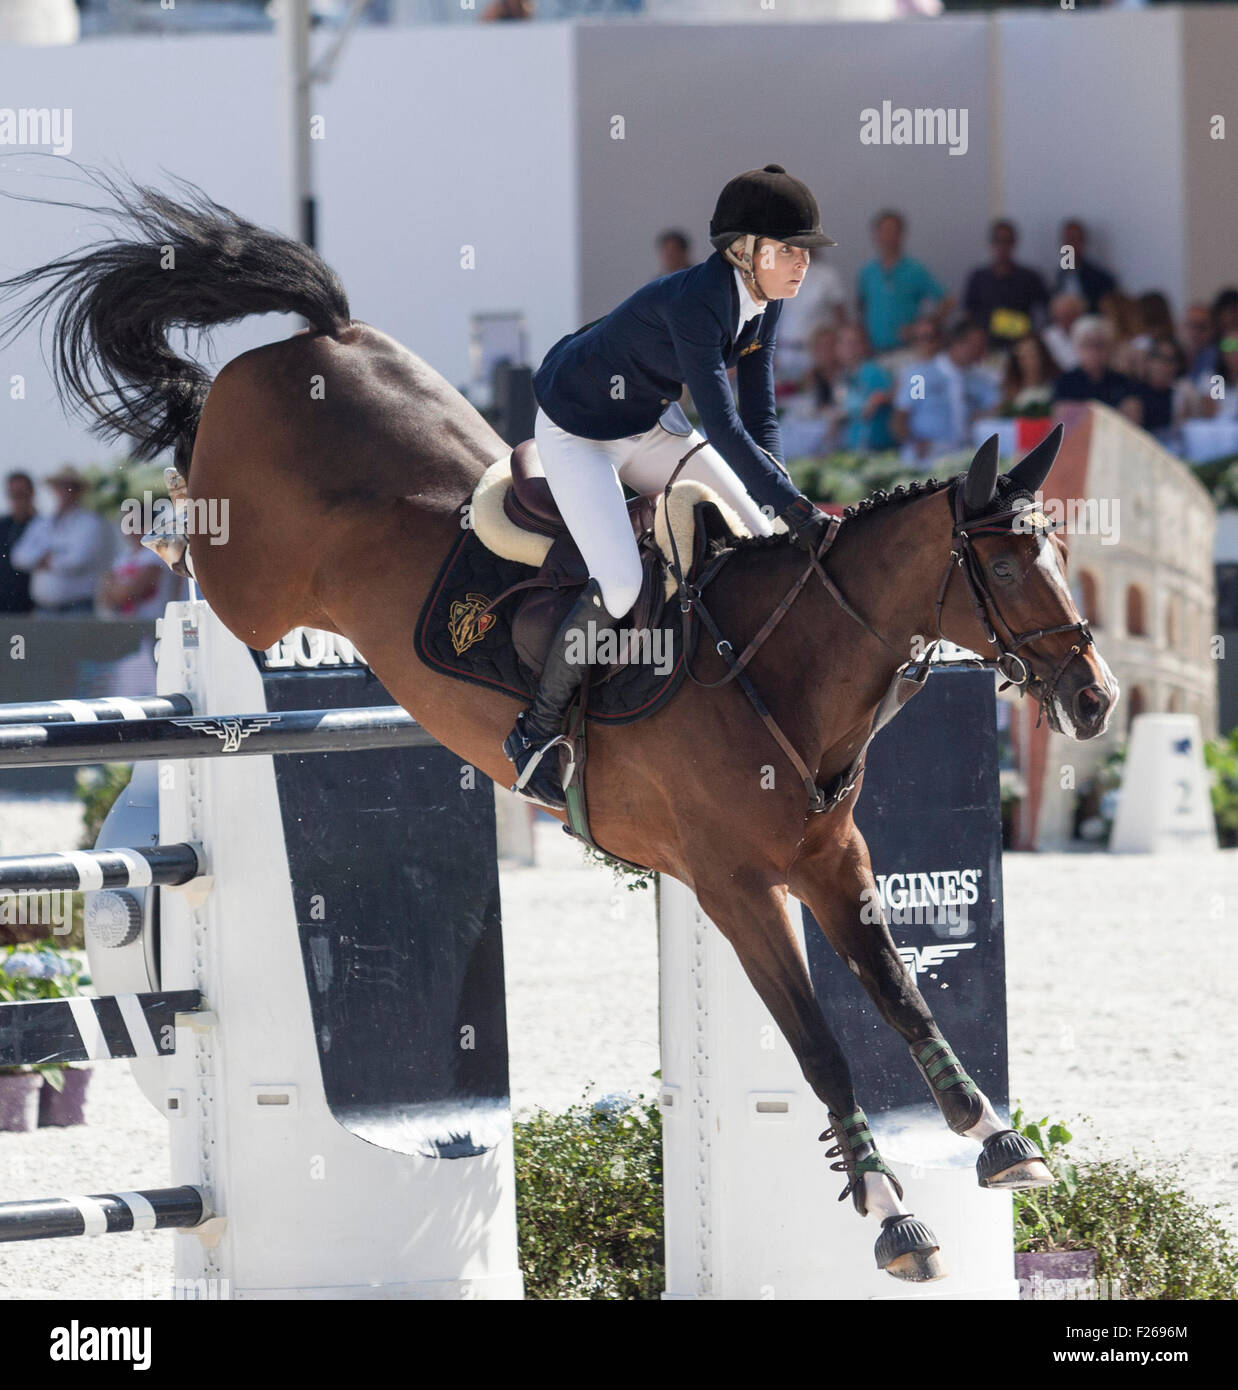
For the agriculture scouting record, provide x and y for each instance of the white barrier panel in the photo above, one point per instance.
(1164, 805)
(751, 1203)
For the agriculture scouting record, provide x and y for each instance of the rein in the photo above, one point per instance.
(911, 675)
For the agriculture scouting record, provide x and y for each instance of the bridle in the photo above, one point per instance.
(911, 674)
(1026, 518)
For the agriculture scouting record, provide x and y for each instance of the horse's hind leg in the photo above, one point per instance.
(834, 877)
(751, 912)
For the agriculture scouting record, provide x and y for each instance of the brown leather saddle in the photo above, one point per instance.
(546, 597)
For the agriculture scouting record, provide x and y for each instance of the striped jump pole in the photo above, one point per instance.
(80, 871)
(102, 1214)
(70, 744)
(94, 711)
(83, 1028)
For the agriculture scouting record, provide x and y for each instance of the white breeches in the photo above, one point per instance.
(585, 477)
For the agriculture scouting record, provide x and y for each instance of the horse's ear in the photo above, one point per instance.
(981, 481)
(1029, 473)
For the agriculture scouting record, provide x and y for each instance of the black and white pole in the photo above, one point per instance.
(210, 736)
(102, 1214)
(80, 871)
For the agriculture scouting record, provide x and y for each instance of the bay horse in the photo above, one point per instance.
(347, 462)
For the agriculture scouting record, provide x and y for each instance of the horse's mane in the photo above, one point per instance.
(1006, 495)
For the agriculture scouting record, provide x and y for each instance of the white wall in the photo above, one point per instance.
(441, 138)
(206, 109)
(1091, 126)
(434, 138)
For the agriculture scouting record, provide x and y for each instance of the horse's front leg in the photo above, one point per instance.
(751, 912)
(834, 877)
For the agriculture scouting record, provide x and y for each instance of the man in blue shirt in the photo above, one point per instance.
(895, 289)
(938, 400)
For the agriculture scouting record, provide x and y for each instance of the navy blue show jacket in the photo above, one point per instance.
(614, 377)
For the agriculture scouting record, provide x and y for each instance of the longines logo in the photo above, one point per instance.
(309, 648)
(923, 960)
(230, 730)
(938, 898)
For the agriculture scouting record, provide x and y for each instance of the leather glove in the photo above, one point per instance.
(807, 524)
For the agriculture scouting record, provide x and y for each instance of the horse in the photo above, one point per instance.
(346, 464)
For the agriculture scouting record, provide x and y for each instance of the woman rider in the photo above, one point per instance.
(603, 394)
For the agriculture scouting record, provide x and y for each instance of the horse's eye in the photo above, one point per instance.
(1003, 569)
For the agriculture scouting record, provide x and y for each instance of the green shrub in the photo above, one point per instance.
(1147, 1230)
(1221, 756)
(97, 790)
(589, 1201)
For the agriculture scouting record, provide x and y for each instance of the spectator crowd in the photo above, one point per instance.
(901, 364)
(69, 562)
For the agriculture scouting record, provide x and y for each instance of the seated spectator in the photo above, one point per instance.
(1029, 376)
(1064, 309)
(811, 413)
(821, 302)
(1225, 312)
(938, 400)
(818, 382)
(134, 587)
(1122, 314)
(674, 251)
(65, 553)
(1200, 338)
(15, 584)
(924, 341)
(1094, 378)
(1224, 406)
(1081, 276)
(1154, 319)
(1005, 298)
(866, 388)
(1166, 393)
(893, 288)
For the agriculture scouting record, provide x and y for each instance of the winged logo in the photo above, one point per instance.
(919, 960)
(231, 730)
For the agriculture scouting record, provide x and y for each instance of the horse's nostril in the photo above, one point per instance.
(1091, 703)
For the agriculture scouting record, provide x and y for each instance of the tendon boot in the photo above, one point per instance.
(906, 1248)
(533, 745)
(956, 1094)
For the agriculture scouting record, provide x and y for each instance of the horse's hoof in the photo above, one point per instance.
(1010, 1162)
(907, 1250)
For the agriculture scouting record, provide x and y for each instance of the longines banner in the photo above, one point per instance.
(939, 884)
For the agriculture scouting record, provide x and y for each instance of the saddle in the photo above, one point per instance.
(515, 515)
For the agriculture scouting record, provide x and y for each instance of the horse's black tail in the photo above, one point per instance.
(188, 265)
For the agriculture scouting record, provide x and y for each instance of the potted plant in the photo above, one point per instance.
(43, 1093)
(1048, 1262)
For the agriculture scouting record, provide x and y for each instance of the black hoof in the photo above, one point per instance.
(1011, 1162)
(906, 1249)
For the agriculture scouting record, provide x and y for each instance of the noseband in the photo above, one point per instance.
(996, 629)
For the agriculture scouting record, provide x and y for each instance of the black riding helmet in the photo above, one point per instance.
(767, 202)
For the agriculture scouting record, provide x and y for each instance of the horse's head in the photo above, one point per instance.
(1007, 597)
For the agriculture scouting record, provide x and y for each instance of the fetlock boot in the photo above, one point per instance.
(533, 745)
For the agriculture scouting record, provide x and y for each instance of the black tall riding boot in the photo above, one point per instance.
(533, 744)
